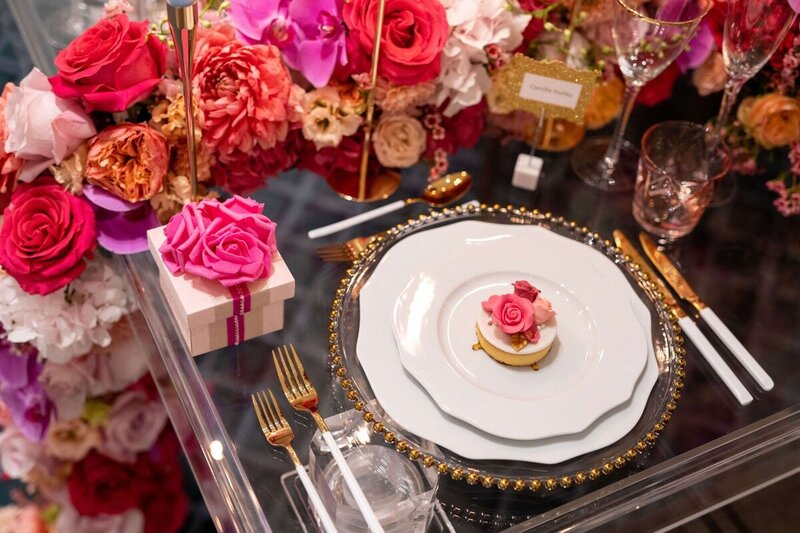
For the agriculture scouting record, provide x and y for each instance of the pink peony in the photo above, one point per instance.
(231, 242)
(246, 93)
(512, 313)
(42, 128)
(9, 164)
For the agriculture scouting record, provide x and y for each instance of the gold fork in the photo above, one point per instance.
(279, 433)
(303, 397)
(344, 252)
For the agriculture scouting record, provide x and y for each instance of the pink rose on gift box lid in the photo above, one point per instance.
(231, 242)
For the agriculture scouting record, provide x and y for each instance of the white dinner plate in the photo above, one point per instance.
(410, 407)
(592, 367)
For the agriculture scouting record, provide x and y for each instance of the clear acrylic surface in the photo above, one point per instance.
(742, 259)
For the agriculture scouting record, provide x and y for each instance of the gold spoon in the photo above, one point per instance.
(438, 193)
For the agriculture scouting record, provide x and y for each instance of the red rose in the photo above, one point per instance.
(339, 165)
(164, 503)
(413, 37)
(99, 485)
(467, 125)
(110, 66)
(46, 236)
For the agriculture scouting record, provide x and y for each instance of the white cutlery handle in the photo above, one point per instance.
(356, 220)
(352, 484)
(715, 361)
(737, 349)
(327, 523)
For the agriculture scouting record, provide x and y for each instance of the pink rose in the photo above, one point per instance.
(231, 242)
(46, 236)
(525, 290)
(111, 66)
(67, 386)
(510, 312)
(42, 128)
(543, 310)
(133, 426)
(413, 36)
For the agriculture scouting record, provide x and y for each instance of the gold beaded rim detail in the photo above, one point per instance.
(474, 476)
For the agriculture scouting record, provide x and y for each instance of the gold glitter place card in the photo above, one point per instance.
(532, 85)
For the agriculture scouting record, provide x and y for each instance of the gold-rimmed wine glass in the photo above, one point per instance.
(753, 31)
(648, 36)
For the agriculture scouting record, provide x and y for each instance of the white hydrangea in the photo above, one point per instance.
(474, 25)
(69, 322)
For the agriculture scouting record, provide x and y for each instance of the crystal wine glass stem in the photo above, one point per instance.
(612, 154)
(732, 89)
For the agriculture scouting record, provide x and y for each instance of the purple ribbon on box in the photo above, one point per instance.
(241, 304)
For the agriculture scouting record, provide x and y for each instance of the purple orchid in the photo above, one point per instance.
(700, 47)
(21, 391)
(121, 225)
(310, 33)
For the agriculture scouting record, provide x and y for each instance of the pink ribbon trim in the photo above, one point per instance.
(240, 294)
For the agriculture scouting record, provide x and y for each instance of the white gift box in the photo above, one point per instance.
(210, 316)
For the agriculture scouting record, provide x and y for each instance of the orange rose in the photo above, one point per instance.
(773, 119)
(128, 160)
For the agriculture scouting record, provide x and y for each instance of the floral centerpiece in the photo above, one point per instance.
(95, 156)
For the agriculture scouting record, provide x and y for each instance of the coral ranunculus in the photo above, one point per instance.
(772, 119)
(111, 66)
(413, 37)
(46, 236)
(246, 93)
(128, 160)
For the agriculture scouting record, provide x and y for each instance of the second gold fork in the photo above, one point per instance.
(303, 397)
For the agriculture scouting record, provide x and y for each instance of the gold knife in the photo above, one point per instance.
(668, 270)
(689, 327)
(627, 247)
(685, 291)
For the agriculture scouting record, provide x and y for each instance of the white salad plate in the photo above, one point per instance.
(407, 403)
(598, 355)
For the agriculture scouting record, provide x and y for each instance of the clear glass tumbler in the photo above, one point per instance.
(402, 492)
(676, 177)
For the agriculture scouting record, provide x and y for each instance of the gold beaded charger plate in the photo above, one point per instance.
(666, 355)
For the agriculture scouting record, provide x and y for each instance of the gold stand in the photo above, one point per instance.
(183, 26)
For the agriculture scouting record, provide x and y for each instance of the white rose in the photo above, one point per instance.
(399, 140)
(43, 128)
(18, 455)
(133, 426)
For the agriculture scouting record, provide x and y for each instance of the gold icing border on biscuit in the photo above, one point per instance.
(502, 356)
